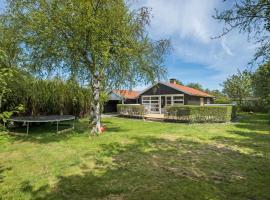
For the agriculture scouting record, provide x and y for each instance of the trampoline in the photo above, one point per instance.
(44, 119)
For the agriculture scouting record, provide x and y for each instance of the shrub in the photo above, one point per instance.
(47, 97)
(256, 105)
(201, 113)
(130, 110)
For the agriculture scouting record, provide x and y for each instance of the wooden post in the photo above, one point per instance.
(27, 128)
(159, 104)
(57, 124)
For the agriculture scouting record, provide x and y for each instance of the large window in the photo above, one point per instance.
(151, 103)
(178, 100)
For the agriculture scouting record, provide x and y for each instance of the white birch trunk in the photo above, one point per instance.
(95, 107)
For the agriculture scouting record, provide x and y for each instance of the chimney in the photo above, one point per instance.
(173, 80)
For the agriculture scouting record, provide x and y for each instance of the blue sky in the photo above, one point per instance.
(195, 57)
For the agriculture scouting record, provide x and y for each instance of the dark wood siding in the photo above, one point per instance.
(161, 89)
(130, 101)
(193, 100)
(111, 106)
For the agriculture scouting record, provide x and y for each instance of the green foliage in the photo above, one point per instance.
(251, 17)
(197, 86)
(238, 87)
(254, 105)
(261, 85)
(102, 41)
(179, 82)
(131, 110)
(220, 97)
(6, 75)
(4, 116)
(45, 97)
(201, 113)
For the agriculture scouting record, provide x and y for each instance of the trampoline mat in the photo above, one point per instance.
(49, 118)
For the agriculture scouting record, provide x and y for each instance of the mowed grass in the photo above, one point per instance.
(139, 160)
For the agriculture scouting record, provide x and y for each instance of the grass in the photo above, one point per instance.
(139, 160)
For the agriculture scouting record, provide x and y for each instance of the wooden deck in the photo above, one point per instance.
(154, 117)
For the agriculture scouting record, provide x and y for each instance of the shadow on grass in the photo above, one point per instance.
(254, 122)
(154, 168)
(258, 143)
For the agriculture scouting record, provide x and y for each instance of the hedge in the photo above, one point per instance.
(201, 113)
(131, 110)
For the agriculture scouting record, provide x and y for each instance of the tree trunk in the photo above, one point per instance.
(95, 106)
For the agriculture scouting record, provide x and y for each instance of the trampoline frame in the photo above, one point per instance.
(45, 119)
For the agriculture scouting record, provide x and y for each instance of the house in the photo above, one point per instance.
(120, 97)
(162, 94)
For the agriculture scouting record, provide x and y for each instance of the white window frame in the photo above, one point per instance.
(148, 103)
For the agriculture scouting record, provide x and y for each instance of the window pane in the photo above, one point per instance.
(154, 98)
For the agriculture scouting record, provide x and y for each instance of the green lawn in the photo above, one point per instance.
(140, 160)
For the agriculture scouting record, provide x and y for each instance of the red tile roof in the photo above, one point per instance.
(189, 90)
(127, 94)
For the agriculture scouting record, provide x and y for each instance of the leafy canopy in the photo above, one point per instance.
(89, 38)
(197, 86)
(261, 82)
(238, 87)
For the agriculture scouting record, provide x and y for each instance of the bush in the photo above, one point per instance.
(201, 113)
(258, 105)
(130, 110)
(47, 97)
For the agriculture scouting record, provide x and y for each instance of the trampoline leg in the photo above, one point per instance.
(57, 124)
(27, 128)
(73, 124)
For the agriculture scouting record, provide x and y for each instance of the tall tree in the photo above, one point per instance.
(101, 39)
(179, 82)
(197, 86)
(251, 17)
(220, 97)
(238, 87)
(261, 83)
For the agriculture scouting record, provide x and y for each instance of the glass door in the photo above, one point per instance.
(151, 103)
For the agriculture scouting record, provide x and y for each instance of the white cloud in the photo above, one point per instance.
(190, 26)
(225, 47)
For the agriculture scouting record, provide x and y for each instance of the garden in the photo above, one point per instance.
(61, 60)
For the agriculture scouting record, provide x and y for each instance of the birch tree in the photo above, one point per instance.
(102, 40)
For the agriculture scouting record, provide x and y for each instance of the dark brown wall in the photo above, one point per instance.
(195, 100)
(130, 101)
(192, 100)
(111, 106)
